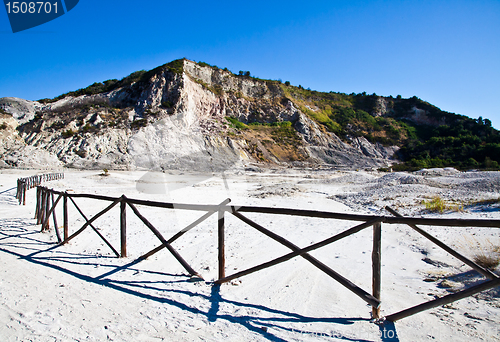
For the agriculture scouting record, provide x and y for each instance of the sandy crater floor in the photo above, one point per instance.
(81, 292)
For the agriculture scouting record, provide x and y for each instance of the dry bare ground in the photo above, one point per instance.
(82, 292)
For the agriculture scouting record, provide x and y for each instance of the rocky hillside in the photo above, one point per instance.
(187, 115)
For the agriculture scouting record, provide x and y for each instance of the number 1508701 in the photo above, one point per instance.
(31, 7)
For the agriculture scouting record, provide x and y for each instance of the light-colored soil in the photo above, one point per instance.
(81, 292)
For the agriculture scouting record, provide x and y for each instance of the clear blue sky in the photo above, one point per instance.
(444, 52)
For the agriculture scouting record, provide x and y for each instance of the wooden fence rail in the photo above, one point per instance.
(24, 184)
(46, 204)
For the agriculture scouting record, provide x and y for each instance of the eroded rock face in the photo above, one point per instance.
(21, 110)
(9, 138)
(172, 121)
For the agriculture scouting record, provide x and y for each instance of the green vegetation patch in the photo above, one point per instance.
(445, 140)
(285, 134)
(143, 76)
(235, 123)
(464, 144)
(101, 87)
(68, 133)
(437, 204)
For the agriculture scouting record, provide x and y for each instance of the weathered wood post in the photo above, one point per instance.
(222, 260)
(123, 227)
(18, 187)
(47, 211)
(65, 215)
(56, 228)
(42, 206)
(37, 202)
(376, 266)
(24, 193)
(19, 195)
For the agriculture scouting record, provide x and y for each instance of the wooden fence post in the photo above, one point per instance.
(37, 202)
(376, 266)
(47, 210)
(222, 261)
(65, 215)
(23, 192)
(42, 208)
(123, 227)
(17, 192)
(56, 228)
(20, 191)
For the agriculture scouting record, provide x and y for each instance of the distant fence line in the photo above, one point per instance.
(46, 204)
(24, 184)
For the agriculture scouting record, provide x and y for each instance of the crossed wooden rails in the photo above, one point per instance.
(24, 184)
(46, 205)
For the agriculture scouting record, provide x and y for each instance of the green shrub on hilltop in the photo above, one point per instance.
(446, 139)
(464, 144)
(100, 87)
(176, 66)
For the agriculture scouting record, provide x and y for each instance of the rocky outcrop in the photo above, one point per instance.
(21, 110)
(172, 120)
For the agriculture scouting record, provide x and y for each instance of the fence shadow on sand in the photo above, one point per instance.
(19, 238)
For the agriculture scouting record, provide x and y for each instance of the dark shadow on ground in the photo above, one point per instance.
(468, 279)
(483, 208)
(265, 322)
(388, 332)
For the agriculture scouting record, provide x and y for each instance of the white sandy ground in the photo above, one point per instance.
(81, 292)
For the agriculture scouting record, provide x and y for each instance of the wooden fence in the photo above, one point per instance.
(46, 204)
(24, 184)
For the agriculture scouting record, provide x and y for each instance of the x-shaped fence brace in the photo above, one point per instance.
(493, 282)
(46, 206)
(303, 252)
(49, 210)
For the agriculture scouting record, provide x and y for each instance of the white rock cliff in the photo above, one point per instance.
(172, 121)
